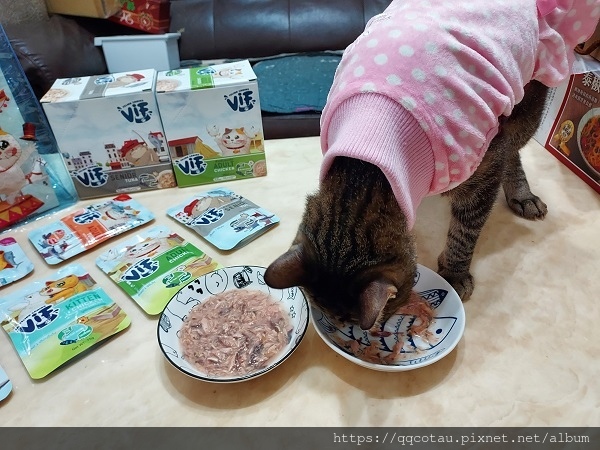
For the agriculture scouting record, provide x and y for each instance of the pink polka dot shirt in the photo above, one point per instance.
(419, 93)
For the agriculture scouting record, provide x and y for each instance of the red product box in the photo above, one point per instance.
(571, 130)
(152, 16)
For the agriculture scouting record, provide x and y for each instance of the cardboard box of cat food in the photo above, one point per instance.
(571, 127)
(86, 8)
(213, 123)
(109, 132)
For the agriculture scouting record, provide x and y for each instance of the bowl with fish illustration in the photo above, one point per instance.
(421, 332)
(229, 326)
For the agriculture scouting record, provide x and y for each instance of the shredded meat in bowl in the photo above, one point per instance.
(234, 333)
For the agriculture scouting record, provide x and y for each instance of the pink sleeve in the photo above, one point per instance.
(562, 25)
(545, 7)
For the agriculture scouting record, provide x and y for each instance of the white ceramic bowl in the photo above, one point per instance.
(221, 280)
(445, 331)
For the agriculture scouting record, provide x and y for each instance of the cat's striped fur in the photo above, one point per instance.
(353, 254)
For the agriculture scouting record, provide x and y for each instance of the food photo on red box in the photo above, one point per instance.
(572, 132)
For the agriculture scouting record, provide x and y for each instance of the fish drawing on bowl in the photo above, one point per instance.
(421, 332)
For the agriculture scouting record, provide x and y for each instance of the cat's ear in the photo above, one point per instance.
(287, 270)
(372, 301)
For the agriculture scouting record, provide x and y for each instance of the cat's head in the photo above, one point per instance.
(353, 255)
(366, 297)
(234, 138)
(144, 248)
(53, 287)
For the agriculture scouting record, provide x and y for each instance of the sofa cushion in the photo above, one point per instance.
(61, 47)
(35, 44)
(212, 29)
(295, 83)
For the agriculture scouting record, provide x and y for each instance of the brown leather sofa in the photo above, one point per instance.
(63, 46)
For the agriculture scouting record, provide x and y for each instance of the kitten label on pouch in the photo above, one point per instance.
(213, 123)
(52, 320)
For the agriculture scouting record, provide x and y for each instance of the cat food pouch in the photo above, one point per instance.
(5, 384)
(55, 319)
(223, 218)
(153, 266)
(14, 264)
(88, 227)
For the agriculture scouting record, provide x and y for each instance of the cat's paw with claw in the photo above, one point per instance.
(530, 207)
(462, 283)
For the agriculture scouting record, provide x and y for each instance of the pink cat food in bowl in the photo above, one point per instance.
(421, 332)
(229, 326)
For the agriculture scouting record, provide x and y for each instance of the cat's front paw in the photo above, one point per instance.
(462, 283)
(530, 207)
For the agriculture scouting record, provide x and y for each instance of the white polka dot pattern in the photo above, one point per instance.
(459, 65)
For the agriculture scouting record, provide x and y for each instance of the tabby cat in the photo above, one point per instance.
(353, 254)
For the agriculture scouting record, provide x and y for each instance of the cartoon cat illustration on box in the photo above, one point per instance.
(12, 177)
(138, 153)
(233, 141)
(128, 80)
(232, 73)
